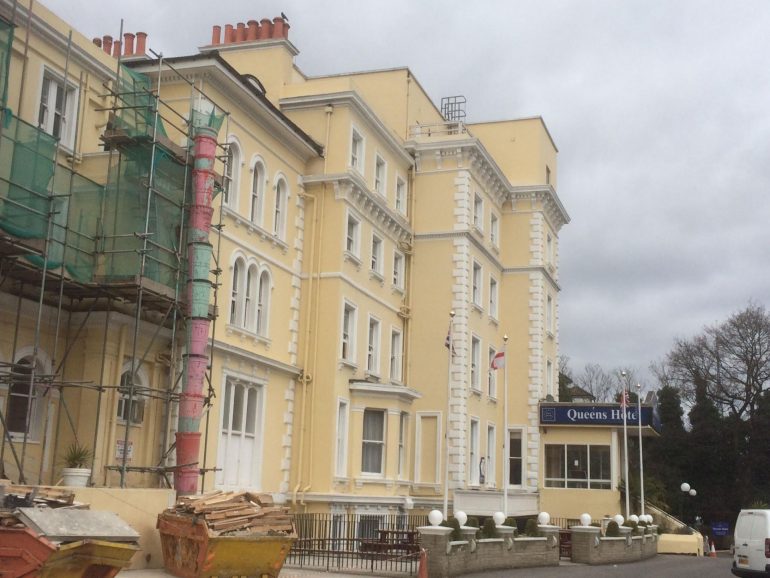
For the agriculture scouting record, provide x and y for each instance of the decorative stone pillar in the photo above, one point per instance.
(585, 541)
(435, 541)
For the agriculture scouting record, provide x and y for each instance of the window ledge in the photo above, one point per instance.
(475, 390)
(253, 227)
(376, 276)
(492, 398)
(372, 374)
(477, 230)
(232, 329)
(397, 289)
(349, 363)
(353, 258)
(493, 320)
(478, 308)
(495, 248)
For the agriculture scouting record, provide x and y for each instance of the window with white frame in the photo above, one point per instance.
(515, 458)
(475, 362)
(279, 211)
(240, 455)
(353, 236)
(396, 342)
(549, 249)
(58, 105)
(492, 380)
(398, 269)
(373, 442)
(478, 212)
(474, 454)
(348, 332)
(257, 193)
(23, 399)
(578, 466)
(341, 462)
(357, 151)
(232, 170)
(236, 311)
(494, 231)
(403, 423)
(131, 401)
(491, 452)
(376, 254)
(373, 347)
(549, 314)
(493, 297)
(250, 299)
(549, 377)
(263, 303)
(380, 175)
(476, 280)
(401, 195)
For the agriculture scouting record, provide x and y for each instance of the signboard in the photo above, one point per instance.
(119, 450)
(720, 528)
(609, 414)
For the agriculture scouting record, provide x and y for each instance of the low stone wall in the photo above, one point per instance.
(589, 547)
(448, 558)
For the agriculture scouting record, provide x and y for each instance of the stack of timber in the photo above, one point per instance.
(13, 496)
(231, 513)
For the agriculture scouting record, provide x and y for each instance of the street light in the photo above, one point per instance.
(686, 491)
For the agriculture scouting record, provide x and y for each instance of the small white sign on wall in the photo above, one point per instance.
(119, 450)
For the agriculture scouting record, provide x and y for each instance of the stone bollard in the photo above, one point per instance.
(551, 534)
(507, 533)
(585, 543)
(435, 540)
(468, 533)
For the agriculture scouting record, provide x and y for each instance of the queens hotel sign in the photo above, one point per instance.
(610, 414)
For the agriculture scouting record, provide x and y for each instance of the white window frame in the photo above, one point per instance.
(373, 339)
(343, 421)
(549, 377)
(589, 481)
(36, 402)
(377, 254)
(237, 289)
(492, 381)
(68, 112)
(493, 297)
(491, 455)
(403, 432)
(353, 236)
(257, 193)
(348, 332)
(475, 363)
(439, 457)
(138, 399)
(474, 451)
(380, 175)
(379, 442)
(549, 314)
(478, 212)
(264, 289)
(476, 288)
(401, 195)
(398, 269)
(494, 230)
(249, 315)
(232, 174)
(357, 149)
(522, 435)
(396, 355)
(279, 209)
(548, 249)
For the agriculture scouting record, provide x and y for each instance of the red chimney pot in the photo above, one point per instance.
(240, 33)
(141, 43)
(116, 48)
(107, 43)
(128, 44)
(216, 34)
(229, 34)
(97, 41)
(286, 27)
(265, 29)
(278, 23)
(251, 33)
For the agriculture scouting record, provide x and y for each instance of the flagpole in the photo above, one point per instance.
(641, 457)
(624, 407)
(450, 355)
(507, 439)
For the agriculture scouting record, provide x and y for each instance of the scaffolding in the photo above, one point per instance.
(71, 246)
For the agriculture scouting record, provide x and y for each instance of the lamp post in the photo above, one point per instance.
(641, 457)
(686, 491)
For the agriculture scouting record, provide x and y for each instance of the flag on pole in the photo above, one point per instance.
(624, 399)
(498, 360)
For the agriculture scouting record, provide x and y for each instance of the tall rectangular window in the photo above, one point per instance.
(549, 249)
(515, 459)
(494, 231)
(348, 332)
(475, 362)
(401, 195)
(376, 254)
(398, 270)
(476, 287)
(403, 423)
(56, 114)
(395, 355)
(352, 236)
(380, 173)
(373, 442)
(341, 463)
(549, 377)
(373, 348)
(357, 151)
(492, 380)
(549, 314)
(478, 212)
(474, 461)
(578, 466)
(493, 297)
(491, 453)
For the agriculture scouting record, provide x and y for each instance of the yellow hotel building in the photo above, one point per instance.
(371, 254)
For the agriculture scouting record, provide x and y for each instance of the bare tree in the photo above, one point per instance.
(731, 360)
(597, 382)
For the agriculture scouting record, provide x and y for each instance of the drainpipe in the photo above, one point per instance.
(195, 359)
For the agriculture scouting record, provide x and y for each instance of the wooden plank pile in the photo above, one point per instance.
(14, 496)
(237, 512)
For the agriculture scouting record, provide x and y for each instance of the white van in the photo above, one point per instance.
(752, 543)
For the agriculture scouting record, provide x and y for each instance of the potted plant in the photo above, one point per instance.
(77, 460)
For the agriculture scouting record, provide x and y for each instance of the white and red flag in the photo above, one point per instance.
(498, 360)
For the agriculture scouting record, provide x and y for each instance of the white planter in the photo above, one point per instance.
(77, 477)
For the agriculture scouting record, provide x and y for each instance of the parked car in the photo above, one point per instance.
(752, 544)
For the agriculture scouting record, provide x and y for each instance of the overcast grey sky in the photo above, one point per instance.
(659, 109)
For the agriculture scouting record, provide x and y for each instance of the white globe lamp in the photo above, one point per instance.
(619, 519)
(435, 517)
(543, 518)
(461, 517)
(585, 519)
(685, 487)
(633, 518)
(693, 493)
(499, 518)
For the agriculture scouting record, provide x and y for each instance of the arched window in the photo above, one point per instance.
(232, 169)
(263, 304)
(235, 295)
(279, 211)
(23, 398)
(257, 193)
(132, 412)
(250, 299)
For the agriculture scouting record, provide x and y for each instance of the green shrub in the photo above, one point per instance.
(631, 524)
(455, 525)
(613, 530)
(489, 530)
(473, 522)
(531, 529)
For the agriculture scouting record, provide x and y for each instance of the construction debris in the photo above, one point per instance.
(227, 513)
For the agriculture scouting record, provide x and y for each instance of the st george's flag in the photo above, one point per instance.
(498, 360)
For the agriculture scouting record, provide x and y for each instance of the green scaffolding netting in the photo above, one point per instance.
(6, 42)
(136, 105)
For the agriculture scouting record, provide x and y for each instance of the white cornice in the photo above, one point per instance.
(554, 210)
(250, 45)
(353, 99)
(221, 346)
(527, 270)
(387, 390)
(351, 186)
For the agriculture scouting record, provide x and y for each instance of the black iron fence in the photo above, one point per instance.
(377, 543)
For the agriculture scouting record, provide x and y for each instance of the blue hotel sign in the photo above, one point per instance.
(595, 414)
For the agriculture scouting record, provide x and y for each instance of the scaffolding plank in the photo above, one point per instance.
(64, 525)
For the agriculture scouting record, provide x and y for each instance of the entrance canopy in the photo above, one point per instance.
(598, 414)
